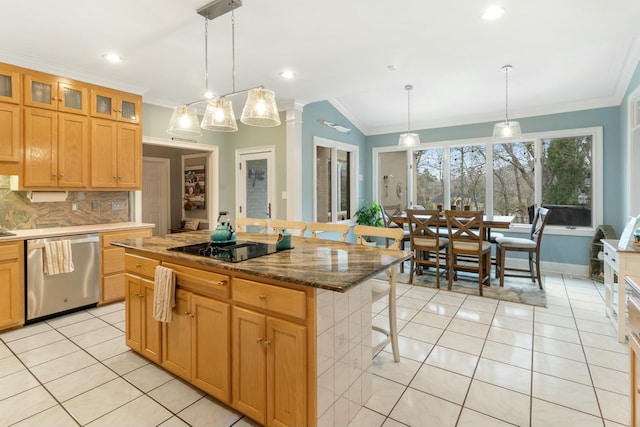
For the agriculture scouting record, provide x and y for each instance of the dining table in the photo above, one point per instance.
(488, 222)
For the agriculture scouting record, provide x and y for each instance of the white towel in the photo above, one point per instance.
(164, 294)
(56, 257)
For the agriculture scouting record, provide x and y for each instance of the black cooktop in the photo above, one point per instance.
(231, 252)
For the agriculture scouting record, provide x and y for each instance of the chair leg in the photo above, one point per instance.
(538, 270)
(402, 263)
(411, 270)
(502, 265)
(438, 269)
(393, 324)
(481, 266)
(533, 275)
(450, 270)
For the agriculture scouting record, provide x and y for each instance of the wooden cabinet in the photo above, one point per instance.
(143, 332)
(55, 93)
(10, 155)
(56, 150)
(112, 264)
(114, 105)
(9, 84)
(11, 284)
(269, 354)
(196, 343)
(634, 374)
(116, 155)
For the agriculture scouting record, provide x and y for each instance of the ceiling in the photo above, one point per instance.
(566, 55)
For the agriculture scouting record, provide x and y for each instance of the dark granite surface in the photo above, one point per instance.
(319, 263)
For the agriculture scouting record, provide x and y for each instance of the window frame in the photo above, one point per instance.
(597, 185)
(353, 151)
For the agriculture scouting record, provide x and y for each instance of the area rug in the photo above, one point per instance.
(514, 290)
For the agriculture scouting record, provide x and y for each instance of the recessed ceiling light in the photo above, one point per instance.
(112, 57)
(493, 13)
(287, 74)
(392, 67)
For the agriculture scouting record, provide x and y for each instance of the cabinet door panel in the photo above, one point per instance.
(151, 346)
(10, 302)
(129, 108)
(73, 151)
(103, 154)
(103, 104)
(72, 98)
(286, 373)
(176, 338)
(113, 288)
(129, 156)
(9, 85)
(40, 91)
(9, 133)
(249, 363)
(211, 344)
(133, 303)
(40, 148)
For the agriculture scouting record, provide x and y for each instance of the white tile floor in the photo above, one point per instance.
(466, 361)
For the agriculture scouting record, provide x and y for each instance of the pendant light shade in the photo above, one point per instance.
(507, 129)
(260, 109)
(184, 122)
(219, 116)
(409, 139)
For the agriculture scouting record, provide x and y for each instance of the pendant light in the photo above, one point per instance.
(259, 110)
(507, 129)
(409, 139)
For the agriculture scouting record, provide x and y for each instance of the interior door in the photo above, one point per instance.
(155, 194)
(255, 183)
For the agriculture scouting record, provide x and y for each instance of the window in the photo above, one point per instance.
(335, 172)
(561, 170)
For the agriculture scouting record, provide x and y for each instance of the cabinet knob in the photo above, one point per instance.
(139, 295)
(188, 313)
(138, 265)
(258, 340)
(61, 175)
(262, 297)
(267, 343)
(220, 283)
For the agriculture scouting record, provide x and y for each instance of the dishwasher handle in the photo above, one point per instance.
(87, 238)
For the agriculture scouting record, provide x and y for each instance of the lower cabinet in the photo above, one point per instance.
(269, 368)
(143, 332)
(11, 284)
(195, 344)
(112, 266)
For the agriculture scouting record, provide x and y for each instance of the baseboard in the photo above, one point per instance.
(547, 267)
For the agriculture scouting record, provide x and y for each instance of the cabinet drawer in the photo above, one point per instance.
(140, 266)
(113, 260)
(199, 281)
(269, 297)
(611, 257)
(9, 251)
(118, 236)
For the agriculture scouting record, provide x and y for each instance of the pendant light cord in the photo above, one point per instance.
(233, 51)
(206, 56)
(408, 88)
(506, 95)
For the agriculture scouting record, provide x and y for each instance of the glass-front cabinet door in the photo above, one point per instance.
(114, 105)
(47, 92)
(9, 85)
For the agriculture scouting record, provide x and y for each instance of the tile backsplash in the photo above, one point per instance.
(17, 212)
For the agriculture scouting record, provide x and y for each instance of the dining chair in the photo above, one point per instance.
(380, 288)
(530, 245)
(296, 228)
(426, 242)
(466, 240)
(242, 224)
(317, 228)
(389, 212)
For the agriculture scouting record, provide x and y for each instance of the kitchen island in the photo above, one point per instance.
(283, 338)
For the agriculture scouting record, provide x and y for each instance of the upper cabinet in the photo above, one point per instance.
(55, 93)
(9, 84)
(114, 105)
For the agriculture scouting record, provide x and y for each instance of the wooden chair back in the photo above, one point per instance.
(539, 222)
(296, 228)
(424, 224)
(316, 227)
(363, 231)
(243, 223)
(465, 226)
(388, 212)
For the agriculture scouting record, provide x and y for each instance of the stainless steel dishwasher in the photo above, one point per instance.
(49, 295)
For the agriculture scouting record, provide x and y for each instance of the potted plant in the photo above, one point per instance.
(369, 214)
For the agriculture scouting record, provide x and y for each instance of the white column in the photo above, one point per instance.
(294, 161)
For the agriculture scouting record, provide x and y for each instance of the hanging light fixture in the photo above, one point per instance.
(507, 129)
(259, 110)
(409, 139)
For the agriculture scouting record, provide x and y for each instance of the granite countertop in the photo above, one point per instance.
(39, 233)
(320, 263)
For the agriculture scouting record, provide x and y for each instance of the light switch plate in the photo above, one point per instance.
(117, 206)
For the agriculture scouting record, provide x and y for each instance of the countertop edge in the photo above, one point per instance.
(38, 233)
